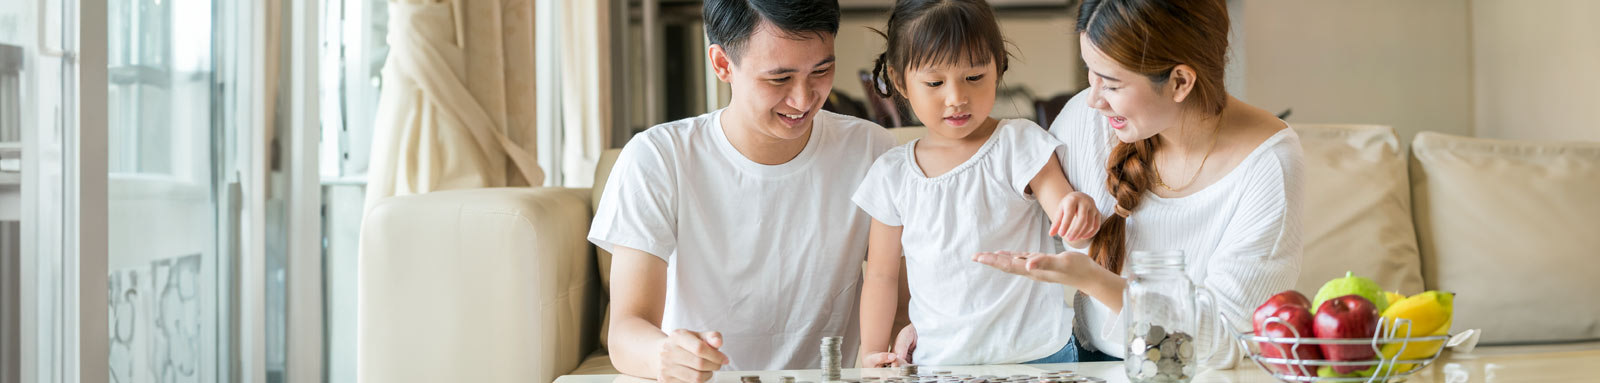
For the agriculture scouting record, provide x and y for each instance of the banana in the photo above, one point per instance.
(1393, 296)
(1414, 350)
(1428, 314)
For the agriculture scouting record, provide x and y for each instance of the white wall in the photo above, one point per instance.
(1406, 64)
(1536, 69)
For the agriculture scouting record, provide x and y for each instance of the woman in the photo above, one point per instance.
(1175, 163)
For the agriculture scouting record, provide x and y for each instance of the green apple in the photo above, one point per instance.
(1351, 284)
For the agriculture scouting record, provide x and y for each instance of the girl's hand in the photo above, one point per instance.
(880, 360)
(905, 343)
(1078, 218)
(899, 355)
(1067, 268)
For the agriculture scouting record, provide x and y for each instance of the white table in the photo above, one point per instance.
(1542, 366)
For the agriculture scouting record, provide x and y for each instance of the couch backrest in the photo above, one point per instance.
(1357, 215)
(1513, 228)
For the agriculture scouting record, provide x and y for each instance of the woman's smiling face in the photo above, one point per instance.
(1135, 107)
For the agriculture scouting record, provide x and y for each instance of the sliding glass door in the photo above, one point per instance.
(167, 272)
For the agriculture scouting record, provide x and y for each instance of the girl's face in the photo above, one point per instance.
(1135, 107)
(953, 100)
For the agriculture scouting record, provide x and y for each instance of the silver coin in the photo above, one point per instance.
(1170, 368)
(1186, 350)
(1169, 348)
(1147, 369)
(1156, 335)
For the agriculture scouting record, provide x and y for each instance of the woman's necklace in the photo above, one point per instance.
(1197, 171)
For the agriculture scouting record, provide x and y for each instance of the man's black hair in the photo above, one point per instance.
(730, 23)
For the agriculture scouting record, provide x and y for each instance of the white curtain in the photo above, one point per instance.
(457, 106)
(585, 93)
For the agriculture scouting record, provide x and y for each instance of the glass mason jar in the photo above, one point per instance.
(1159, 308)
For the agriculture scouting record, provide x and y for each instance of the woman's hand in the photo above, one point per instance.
(1078, 218)
(1069, 268)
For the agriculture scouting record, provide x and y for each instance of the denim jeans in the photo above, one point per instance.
(1075, 352)
(1068, 354)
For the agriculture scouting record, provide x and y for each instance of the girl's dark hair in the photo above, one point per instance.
(934, 32)
(1151, 37)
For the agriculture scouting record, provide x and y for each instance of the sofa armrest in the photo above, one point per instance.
(482, 285)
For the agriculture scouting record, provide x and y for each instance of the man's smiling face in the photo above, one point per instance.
(779, 80)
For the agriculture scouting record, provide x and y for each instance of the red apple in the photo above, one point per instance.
(1297, 321)
(1346, 317)
(1287, 297)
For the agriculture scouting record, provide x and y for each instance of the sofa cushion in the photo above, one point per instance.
(475, 285)
(1513, 228)
(1357, 208)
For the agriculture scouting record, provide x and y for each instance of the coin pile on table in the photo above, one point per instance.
(757, 379)
(1061, 376)
(832, 362)
(1156, 355)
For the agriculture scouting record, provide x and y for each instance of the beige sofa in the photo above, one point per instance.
(500, 285)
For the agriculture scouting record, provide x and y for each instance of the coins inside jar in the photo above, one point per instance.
(1158, 354)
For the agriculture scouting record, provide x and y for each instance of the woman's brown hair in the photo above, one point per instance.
(932, 32)
(1152, 37)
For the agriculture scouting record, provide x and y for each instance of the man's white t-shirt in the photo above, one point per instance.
(769, 255)
(967, 313)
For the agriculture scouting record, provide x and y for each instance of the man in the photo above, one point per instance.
(735, 241)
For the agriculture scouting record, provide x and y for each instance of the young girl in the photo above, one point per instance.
(972, 184)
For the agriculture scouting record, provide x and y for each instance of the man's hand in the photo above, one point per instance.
(1078, 218)
(690, 357)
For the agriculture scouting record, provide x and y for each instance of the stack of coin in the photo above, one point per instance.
(786, 379)
(908, 370)
(750, 379)
(832, 362)
(1158, 355)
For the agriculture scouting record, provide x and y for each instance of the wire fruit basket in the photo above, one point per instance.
(1280, 357)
